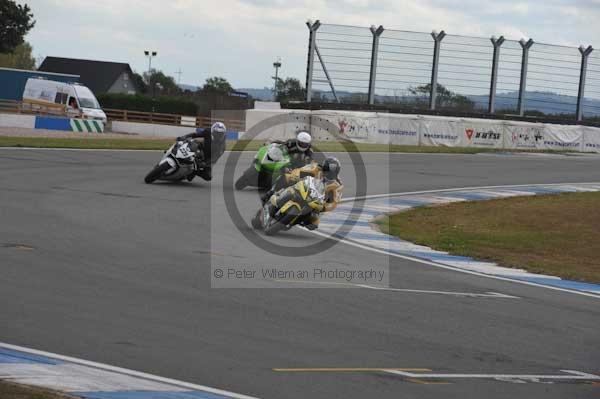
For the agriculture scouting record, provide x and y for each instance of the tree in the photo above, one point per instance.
(20, 58)
(290, 90)
(140, 84)
(159, 83)
(445, 97)
(15, 21)
(217, 84)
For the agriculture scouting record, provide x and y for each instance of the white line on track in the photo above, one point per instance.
(571, 375)
(378, 288)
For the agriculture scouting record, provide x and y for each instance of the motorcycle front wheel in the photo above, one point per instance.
(249, 178)
(157, 172)
(274, 227)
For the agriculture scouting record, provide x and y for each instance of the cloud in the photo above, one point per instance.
(239, 39)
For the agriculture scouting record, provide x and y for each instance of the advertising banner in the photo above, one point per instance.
(523, 136)
(442, 132)
(481, 133)
(562, 137)
(397, 129)
(356, 126)
(591, 139)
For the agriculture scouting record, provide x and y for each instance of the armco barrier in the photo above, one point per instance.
(384, 128)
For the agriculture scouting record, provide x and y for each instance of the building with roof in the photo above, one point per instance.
(100, 76)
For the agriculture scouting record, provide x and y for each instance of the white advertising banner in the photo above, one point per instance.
(397, 129)
(356, 126)
(562, 137)
(591, 139)
(270, 120)
(523, 136)
(442, 132)
(426, 130)
(483, 133)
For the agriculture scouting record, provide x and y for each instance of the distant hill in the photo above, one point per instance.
(547, 102)
(184, 87)
(264, 94)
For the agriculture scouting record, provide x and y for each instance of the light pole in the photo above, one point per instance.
(150, 54)
(277, 65)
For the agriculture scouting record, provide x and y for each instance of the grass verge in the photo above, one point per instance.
(9, 390)
(551, 234)
(161, 144)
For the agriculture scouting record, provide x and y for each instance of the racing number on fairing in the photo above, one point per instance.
(183, 150)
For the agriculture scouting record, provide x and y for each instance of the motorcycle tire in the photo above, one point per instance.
(274, 228)
(157, 172)
(256, 220)
(250, 176)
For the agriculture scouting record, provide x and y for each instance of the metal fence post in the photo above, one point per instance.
(374, 51)
(437, 38)
(496, 42)
(312, 39)
(585, 52)
(525, 45)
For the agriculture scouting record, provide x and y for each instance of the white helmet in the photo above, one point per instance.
(218, 127)
(303, 140)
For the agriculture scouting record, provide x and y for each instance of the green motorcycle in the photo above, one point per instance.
(268, 164)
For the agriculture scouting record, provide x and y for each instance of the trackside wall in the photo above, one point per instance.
(384, 128)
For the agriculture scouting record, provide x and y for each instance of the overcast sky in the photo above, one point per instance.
(240, 39)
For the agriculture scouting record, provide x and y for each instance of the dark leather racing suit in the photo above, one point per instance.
(212, 147)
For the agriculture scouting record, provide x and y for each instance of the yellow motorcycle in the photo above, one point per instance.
(291, 206)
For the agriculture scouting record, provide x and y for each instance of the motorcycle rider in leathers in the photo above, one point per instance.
(213, 146)
(329, 171)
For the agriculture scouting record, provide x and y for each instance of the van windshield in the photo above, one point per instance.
(86, 97)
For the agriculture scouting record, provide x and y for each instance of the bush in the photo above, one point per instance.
(163, 105)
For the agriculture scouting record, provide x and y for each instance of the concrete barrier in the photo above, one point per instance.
(19, 121)
(51, 123)
(149, 129)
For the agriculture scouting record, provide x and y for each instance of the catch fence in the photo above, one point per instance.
(439, 71)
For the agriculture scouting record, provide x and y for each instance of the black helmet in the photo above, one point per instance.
(331, 168)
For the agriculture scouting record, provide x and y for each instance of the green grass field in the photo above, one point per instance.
(550, 234)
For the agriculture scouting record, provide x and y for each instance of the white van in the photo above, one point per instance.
(76, 100)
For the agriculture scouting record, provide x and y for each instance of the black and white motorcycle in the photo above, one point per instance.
(178, 163)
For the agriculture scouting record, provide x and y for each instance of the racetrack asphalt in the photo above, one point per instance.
(98, 265)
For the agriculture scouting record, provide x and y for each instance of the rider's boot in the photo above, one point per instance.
(312, 222)
(265, 197)
(205, 173)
